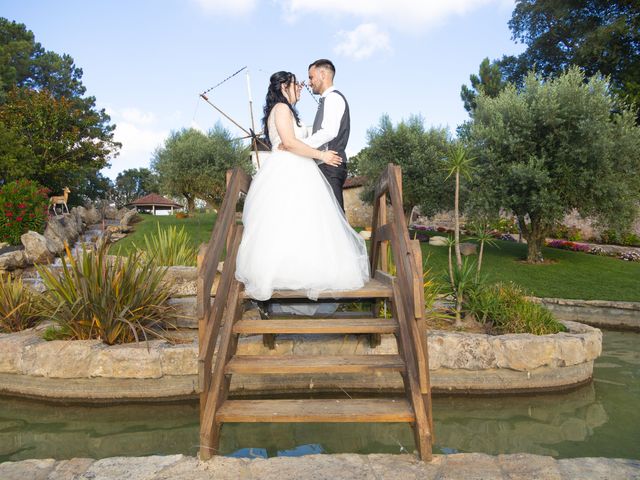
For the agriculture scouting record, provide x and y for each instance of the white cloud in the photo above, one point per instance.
(139, 135)
(362, 42)
(401, 14)
(227, 7)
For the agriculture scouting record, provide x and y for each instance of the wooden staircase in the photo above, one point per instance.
(396, 283)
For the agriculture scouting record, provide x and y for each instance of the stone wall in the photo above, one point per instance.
(599, 313)
(159, 370)
(358, 212)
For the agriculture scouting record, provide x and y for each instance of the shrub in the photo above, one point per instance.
(23, 207)
(19, 306)
(182, 215)
(169, 246)
(505, 307)
(107, 298)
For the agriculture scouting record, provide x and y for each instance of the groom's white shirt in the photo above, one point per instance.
(334, 107)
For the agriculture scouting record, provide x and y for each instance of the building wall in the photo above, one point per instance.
(358, 212)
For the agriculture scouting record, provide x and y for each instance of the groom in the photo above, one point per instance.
(331, 125)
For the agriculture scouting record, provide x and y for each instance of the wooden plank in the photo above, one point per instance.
(317, 326)
(316, 411)
(293, 364)
(372, 289)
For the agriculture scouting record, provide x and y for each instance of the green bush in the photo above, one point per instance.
(23, 207)
(113, 299)
(505, 307)
(19, 306)
(168, 247)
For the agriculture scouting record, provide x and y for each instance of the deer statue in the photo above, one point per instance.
(60, 200)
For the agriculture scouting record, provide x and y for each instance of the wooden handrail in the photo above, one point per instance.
(211, 254)
(225, 234)
(408, 261)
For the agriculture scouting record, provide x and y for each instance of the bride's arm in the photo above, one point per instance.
(284, 124)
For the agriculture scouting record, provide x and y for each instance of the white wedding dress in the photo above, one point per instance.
(296, 236)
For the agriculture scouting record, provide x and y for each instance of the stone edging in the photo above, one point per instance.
(598, 313)
(88, 370)
(379, 466)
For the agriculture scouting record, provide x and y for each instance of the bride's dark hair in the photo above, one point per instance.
(274, 95)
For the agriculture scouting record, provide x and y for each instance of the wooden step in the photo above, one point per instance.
(276, 364)
(317, 326)
(372, 289)
(316, 411)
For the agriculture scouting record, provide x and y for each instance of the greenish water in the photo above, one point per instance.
(600, 419)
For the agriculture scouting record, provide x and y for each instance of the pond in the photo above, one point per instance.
(601, 419)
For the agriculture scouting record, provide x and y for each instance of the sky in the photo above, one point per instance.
(146, 62)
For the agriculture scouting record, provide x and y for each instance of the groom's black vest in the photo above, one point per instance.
(338, 144)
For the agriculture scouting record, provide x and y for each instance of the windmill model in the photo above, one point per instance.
(250, 133)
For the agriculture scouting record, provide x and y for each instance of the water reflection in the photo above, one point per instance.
(600, 419)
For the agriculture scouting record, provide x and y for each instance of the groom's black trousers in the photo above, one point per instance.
(336, 177)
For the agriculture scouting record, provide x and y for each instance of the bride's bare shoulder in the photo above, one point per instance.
(281, 108)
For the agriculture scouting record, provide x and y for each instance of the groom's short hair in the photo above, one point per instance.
(324, 63)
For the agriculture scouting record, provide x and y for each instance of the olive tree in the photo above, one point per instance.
(556, 145)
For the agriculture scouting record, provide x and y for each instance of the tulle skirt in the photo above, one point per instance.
(296, 236)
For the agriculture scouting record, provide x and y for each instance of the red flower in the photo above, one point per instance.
(9, 214)
(18, 219)
(22, 205)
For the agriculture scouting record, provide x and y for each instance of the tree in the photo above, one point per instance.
(488, 81)
(419, 152)
(554, 146)
(135, 183)
(600, 36)
(194, 165)
(51, 141)
(49, 131)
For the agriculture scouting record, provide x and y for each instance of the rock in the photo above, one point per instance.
(179, 359)
(182, 280)
(31, 469)
(467, 248)
(121, 213)
(38, 248)
(138, 360)
(92, 216)
(13, 260)
(438, 241)
(128, 217)
(60, 230)
(142, 468)
(110, 212)
(3, 244)
(59, 358)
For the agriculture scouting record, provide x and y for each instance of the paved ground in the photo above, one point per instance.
(468, 466)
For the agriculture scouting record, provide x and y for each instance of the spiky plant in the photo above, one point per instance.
(19, 306)
(114, 299)
(169, 246)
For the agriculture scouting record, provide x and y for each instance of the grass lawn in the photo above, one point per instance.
(569, 275)
(198, 226)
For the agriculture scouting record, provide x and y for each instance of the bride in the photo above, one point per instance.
(296, 236)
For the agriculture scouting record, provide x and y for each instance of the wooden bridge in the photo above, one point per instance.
(396, 282)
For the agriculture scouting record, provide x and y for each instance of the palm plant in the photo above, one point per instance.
(482, 233)
(458, 163)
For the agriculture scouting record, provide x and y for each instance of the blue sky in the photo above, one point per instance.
(147, 61)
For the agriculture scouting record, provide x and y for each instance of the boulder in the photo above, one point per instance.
(110, 212)
(468, 248)
(13, 260)
(92, 216)
(128, 217)
(38, 248)
(438, 241)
